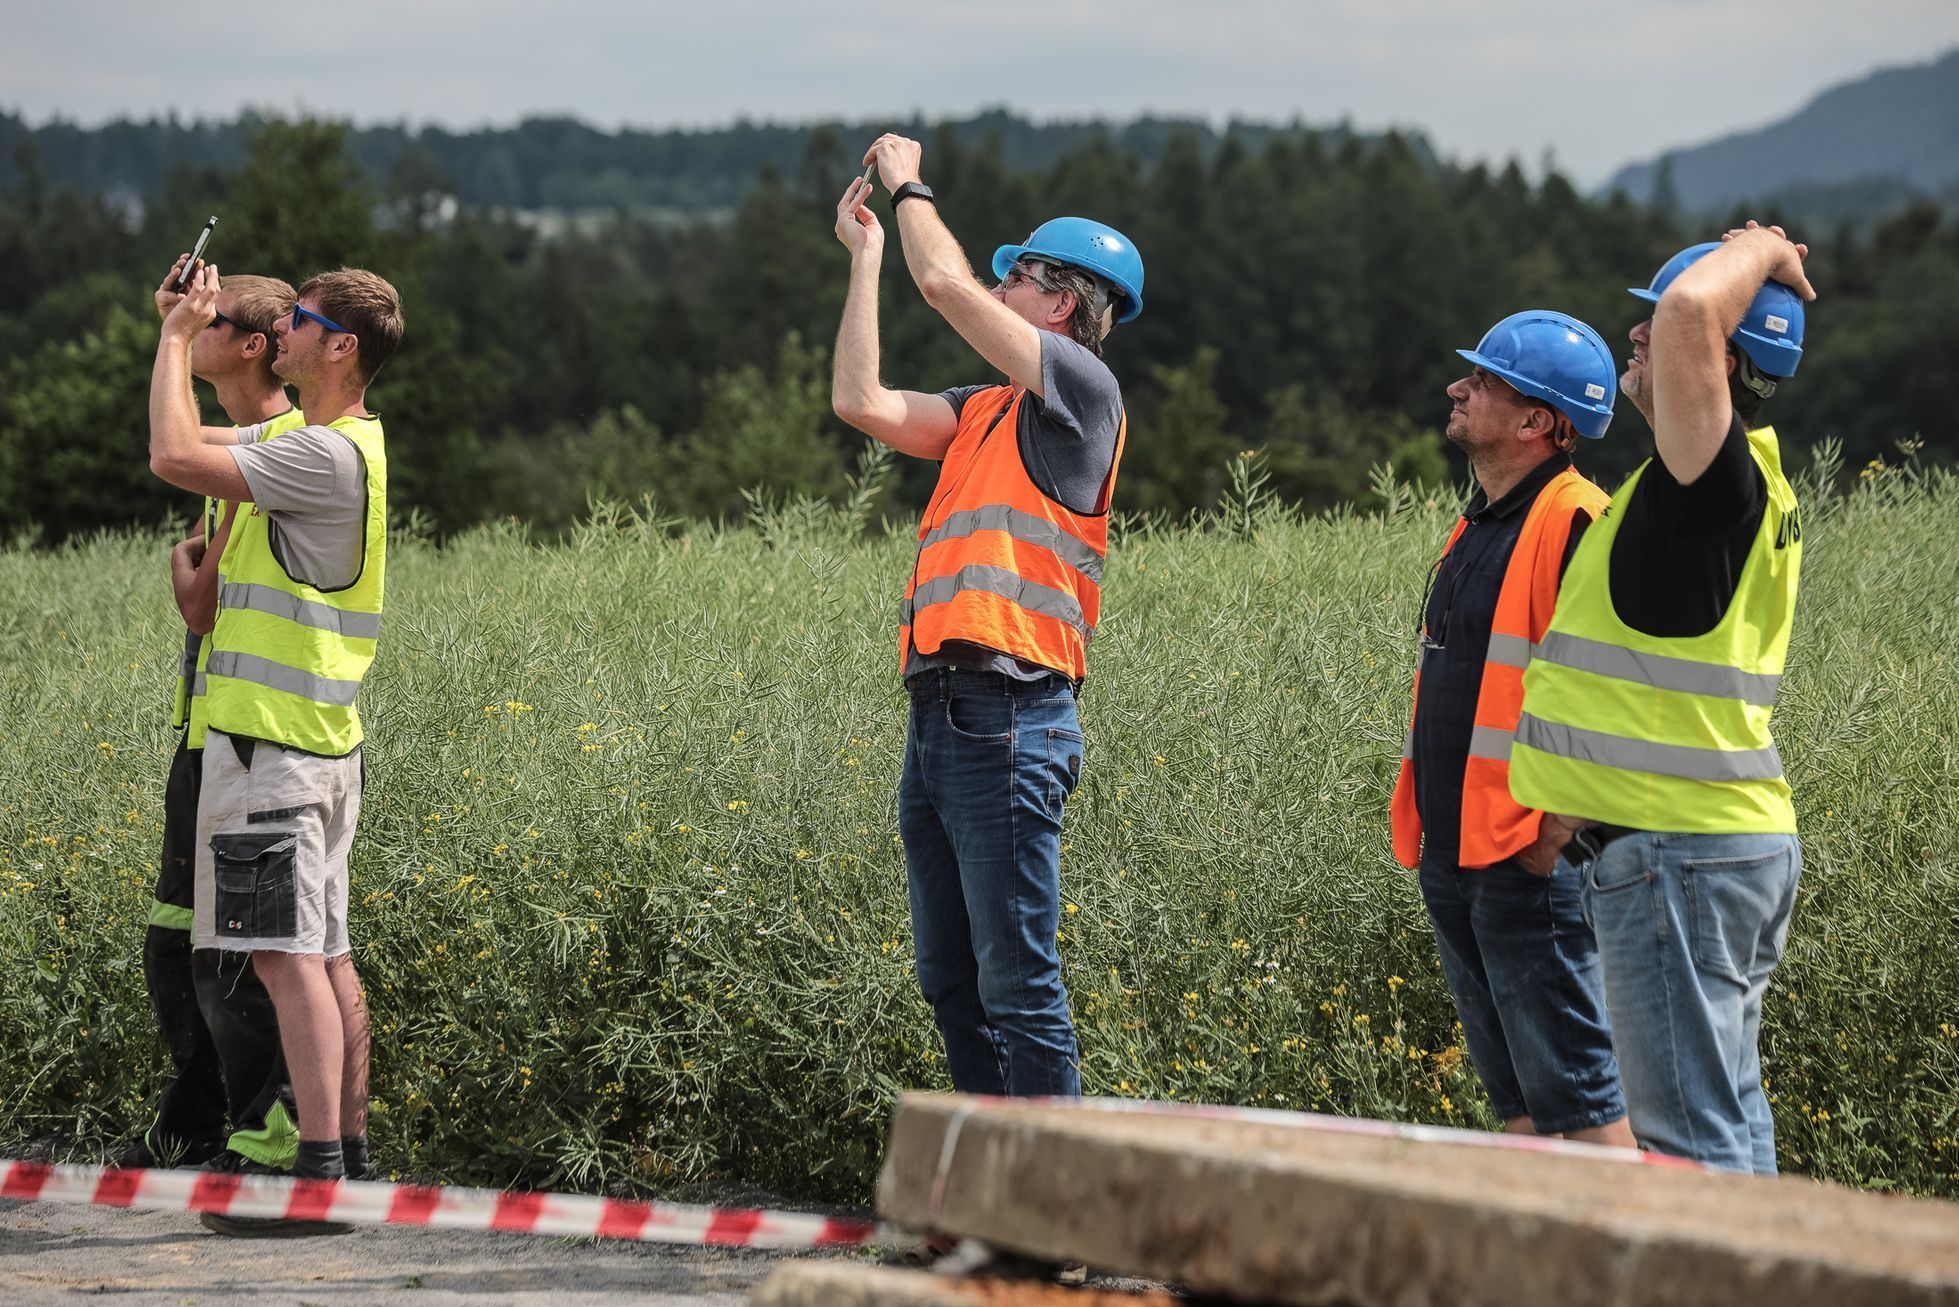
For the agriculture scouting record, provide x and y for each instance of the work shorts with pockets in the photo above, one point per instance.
(274, 826)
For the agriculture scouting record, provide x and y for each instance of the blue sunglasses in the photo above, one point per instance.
(300, 315)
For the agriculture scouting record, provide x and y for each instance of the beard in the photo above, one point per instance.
(1635, 383)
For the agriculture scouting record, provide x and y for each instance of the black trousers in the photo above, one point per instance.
(216, 1018)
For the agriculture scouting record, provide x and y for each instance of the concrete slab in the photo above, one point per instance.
(817, 1284)
(1308, 1216)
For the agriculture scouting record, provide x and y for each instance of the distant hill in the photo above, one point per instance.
(1861, 148)
(563, 163)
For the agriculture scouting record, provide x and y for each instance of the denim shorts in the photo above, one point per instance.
(1524, 971)
(1689, 930)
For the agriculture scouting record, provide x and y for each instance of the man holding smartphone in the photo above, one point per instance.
(1003, 600)
(216, 1018)
(297, 626)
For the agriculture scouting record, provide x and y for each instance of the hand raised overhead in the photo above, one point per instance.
(196, 308)
(1787, 267)
(896, 158)
(857, 227)
(167, 294)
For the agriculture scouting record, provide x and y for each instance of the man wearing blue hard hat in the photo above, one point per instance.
(1646, 706)
(1516, 953)
(1001, 604)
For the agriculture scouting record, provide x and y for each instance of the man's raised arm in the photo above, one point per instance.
(1691, 326)
(179, 453)
(167, 298)
(945, 278)
(908, 421)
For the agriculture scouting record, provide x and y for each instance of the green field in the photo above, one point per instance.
(630, 906)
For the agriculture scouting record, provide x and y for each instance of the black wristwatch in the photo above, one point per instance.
(910, 189)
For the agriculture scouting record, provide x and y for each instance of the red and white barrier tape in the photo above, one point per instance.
(364, 1202)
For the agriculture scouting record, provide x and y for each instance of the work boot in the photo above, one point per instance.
(316, 1162)
(139, 1154)
(228, 1162)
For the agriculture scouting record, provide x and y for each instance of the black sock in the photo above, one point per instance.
(320, 1159)
(353, 1153)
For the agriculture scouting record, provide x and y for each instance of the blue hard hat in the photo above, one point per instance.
(1556, 358)
(1089, 245)
(1771, 332)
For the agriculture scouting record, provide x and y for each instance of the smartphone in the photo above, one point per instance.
(870, 172)
(183, 278)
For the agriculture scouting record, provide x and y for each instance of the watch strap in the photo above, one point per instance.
(911, 189)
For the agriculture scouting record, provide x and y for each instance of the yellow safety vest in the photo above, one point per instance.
(287, 659)
(188, 713)
(1665, 733)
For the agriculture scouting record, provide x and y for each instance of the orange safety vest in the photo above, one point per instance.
(1494, 825)
(999, 563)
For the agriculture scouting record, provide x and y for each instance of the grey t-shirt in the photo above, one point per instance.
(1067, 436)
(1068, 432)
(312, 483)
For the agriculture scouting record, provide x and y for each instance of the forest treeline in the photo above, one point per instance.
(561, 163)
(1306, 293)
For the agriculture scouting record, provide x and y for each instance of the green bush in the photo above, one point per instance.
(630, 906)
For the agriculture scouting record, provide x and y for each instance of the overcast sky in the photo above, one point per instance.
(1600, 85)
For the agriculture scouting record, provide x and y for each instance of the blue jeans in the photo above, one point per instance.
(1524, 973)
(988, 764)
(1689, 929)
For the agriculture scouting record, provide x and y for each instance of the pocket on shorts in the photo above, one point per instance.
(252, 874)
(1732, 904)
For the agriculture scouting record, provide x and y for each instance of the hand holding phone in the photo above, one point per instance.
(190, 264)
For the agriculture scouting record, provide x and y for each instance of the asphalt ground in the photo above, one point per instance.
(58, 1252)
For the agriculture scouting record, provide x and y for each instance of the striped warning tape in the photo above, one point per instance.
(365, 1202)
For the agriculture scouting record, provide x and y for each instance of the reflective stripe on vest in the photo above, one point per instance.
(287, 658)
(278, 676)
(190, 716)
(1666, 733)
(1021, 526)
(1493, 826)
(1061, 606)
(305, 612)
(1660, 671)
(999, 564)
(1627, 754)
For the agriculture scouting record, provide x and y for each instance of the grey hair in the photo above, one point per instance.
(1094, 301)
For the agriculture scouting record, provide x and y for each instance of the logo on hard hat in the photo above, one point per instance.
(1777, 324)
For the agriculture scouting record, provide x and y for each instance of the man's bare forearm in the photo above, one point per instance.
(183, 580)
(200, 602)
(1691, 325)
(854, 383)
(932, 254)
(174, 426)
